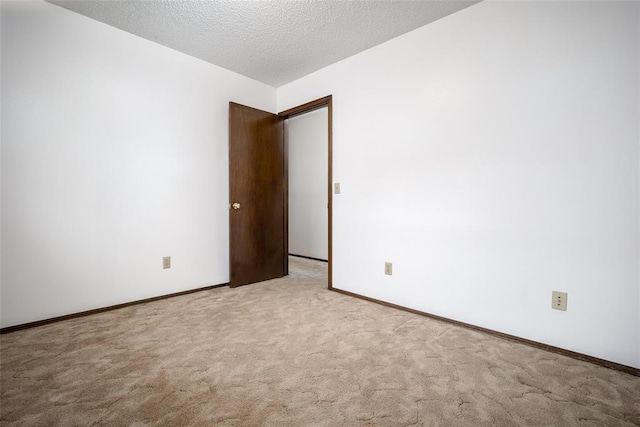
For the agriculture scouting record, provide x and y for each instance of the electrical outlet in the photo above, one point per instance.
(336, 188)
(388, 268)
(559, 300)
(166, 262)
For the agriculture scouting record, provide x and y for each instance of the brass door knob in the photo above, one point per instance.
(236, 206)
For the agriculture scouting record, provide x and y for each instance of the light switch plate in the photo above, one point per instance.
(166, 262)
(388, 268)
(336, 188)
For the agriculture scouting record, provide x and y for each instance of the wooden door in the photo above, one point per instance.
(257, 202)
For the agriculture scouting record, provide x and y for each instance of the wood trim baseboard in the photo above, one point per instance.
(37, 323)
(309, 257)
(574, 355)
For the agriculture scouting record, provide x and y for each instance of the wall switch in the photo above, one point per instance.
(388, 268)
(559, 300)
(166, 262)
(336, 188)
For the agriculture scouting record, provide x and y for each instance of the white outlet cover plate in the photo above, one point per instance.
(559, 300)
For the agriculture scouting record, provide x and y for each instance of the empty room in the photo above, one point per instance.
(292, 213)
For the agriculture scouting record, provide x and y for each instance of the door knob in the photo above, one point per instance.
(236, 206)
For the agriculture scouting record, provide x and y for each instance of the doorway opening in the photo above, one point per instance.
(308, 181)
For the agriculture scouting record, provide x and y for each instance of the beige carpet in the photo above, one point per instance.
(290, 353)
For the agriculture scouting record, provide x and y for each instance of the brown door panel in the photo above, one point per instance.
(257, 235)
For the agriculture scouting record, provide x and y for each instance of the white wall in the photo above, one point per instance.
(307, 140)
(493, 156)
(114, 154)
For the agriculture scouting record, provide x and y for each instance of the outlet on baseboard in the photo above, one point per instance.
(559, 300)
(388, 268)
(166, 262)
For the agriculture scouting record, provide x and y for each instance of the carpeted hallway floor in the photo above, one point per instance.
(288, 352)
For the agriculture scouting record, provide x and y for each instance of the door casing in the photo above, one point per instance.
(326, 101)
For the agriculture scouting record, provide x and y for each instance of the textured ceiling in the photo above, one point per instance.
(273, 41)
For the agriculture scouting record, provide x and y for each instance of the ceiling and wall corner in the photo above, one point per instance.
(272, 41)
(516, 151)
(493, 157)
(114, 155)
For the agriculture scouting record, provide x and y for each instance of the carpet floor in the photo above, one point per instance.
(288, 352)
